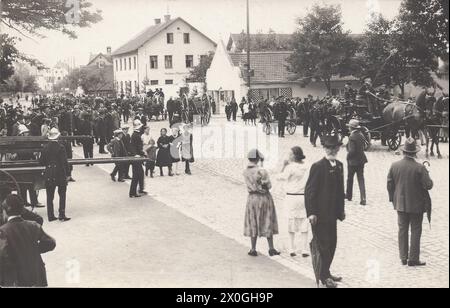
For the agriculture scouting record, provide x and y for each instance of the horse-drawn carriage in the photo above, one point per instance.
(270, 121)
(196, 108)
(388, 127)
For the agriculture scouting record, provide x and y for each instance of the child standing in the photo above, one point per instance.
(151, 155)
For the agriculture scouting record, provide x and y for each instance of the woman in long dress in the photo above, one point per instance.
(163, 158)
(295, 174)
(260, 214)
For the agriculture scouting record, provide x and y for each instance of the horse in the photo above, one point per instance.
(436, 120)
(409, 114)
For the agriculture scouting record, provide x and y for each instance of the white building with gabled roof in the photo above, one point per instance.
(161, 56)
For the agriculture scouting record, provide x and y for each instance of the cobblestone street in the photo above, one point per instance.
(367, 254)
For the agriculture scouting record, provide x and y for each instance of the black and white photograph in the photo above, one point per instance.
(206, 145)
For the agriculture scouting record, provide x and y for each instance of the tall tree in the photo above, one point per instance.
(391, 54)
(22, 80)
(90, 79)
(427, 21)
(322, 49)
(198, 73)
(32, 17)
(8, 52)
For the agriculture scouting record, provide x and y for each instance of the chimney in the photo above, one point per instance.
(157, 21)
(108, 51)
(166, 18)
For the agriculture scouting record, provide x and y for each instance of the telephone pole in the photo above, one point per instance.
(248, 52)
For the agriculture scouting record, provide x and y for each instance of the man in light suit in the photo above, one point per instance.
(408, 184)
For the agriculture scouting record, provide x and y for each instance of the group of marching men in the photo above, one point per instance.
(101, 121)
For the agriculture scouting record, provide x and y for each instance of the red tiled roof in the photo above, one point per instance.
(268, 66)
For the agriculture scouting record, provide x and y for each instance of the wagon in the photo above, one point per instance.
(270, 123)
(196, 106)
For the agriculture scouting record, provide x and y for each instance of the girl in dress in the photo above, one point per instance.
(163, 158)
(295, 174)
(260, 214)
(187, 151)
(175, 148)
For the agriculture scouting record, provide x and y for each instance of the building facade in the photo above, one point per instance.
(227, 77)
(101, 60)
(159, 57)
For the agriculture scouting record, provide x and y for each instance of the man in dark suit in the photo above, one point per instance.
(21, 245)
(54, 158)
(325, 204)
(137, 150)
(356, 160)
(408, 185)
(170, 110)
(365, 94)
(126, 140)
(281, 111)
(234, 108)
(118, 150)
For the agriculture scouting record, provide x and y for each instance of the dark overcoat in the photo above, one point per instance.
(23, 243)
(355, 147)
(324, 192)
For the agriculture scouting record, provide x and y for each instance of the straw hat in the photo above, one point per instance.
(54, 134)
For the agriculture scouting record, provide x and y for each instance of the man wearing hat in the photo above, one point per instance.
(325, 205)
(408, 184)
(118, 150)
(137, 150)
(364, 93)
(356, 160)
(21, 245)
(54, 158)
(281, 112)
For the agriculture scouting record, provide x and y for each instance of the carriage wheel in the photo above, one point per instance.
(367, 138)
(394, 141)
(291, 128)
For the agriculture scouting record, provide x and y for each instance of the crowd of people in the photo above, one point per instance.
(315, 196)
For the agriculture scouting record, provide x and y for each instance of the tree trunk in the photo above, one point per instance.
(402, 89)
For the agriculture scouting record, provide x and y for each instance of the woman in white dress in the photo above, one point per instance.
(295, 174)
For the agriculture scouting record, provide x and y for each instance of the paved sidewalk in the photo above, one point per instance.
(113, 241)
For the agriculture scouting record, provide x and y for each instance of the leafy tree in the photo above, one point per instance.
(22, 80)
(8, 52)
(391, 54)
(198, 73)
(31, 17)
(426, 21)
(322, 49)
(263, 42)
(91, 79)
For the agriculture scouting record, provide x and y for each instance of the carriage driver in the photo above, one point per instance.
(367, 98)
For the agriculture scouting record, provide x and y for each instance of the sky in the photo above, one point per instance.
(123, 19)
